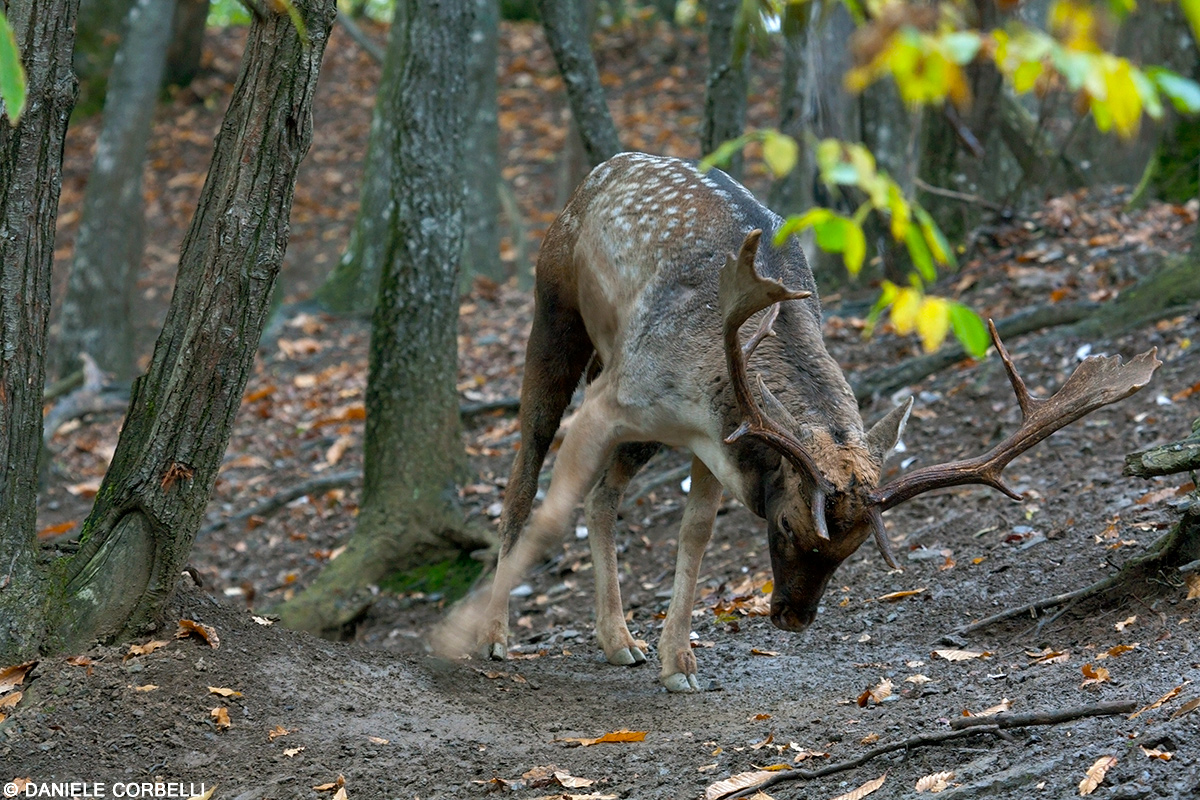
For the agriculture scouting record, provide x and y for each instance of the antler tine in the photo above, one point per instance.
(765, 329)
(741, 294)
(875, 514)
(1097, 382)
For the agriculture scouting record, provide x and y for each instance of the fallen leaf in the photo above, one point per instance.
(1125, 623)
(1162, 755)
(756, 652)
(221, 715)
(615, 736)
(85, 490)
(55, 530)
(1095, 774)
(1190, 705)
(760, 745)
(208, 633)
(206, 796)
(262, 620)
(892, 597)
(1048, 656)
(1117, 650)
(999, 708)
(1168, 696)
(864, 790)
(1093, 676)
(291, 752)
(961, 655)
(757, 717)
(11, 700)
(736, 783)
(143, 649)
(935, 783)
(870, 738)
(276, 732)
(918, 679)
(146, 687)
(877, 694)
(329, 787)
(378, 740)
(14, 676)
(569, 781)
(1193, 584)
(223, 691)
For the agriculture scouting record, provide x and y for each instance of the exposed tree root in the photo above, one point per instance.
(967, 726)
(321, 483)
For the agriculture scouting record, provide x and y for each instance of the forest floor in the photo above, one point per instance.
(397, 723)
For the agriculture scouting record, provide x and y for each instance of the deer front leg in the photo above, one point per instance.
(678, 672)
(600, 509)
(587, 447)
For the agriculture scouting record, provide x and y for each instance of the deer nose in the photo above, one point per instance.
(788, 619)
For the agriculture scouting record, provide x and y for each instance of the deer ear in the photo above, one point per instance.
(884, 434)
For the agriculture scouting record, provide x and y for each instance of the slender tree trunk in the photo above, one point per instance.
(567, 31)
(96, 316)
(30, 178)
(792, 193)
(152, 500)
(187, 42)
(413, 452)
(100, 31)
(725, 88)
(481, 250)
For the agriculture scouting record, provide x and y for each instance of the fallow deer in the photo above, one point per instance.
(649, 273)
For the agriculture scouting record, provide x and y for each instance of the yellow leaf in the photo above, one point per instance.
(1095, 774)
(615, 736)
(855, 249)
(904, 310)
(781, 152)
(1026, 75)
(933, 322)
(864, 790)
(1124, 102)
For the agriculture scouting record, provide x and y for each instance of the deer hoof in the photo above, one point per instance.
(627, 657)
(679, 682)
(496, 651)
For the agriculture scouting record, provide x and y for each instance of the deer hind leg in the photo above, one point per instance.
(678, 661)
(600, 509)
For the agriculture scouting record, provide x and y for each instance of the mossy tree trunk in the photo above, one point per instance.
(413, 449)
(725, 87)
(152, 499)
(30, 178)
(96, 316)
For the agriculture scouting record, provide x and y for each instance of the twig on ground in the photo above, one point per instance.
(501, 404)
(959, 728)
(1036, 606)
(321, 483)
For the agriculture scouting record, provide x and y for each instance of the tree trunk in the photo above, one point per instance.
(567, 32)
(481, 250)
(152, 500)
(100, 31)
(30, 178)
(792, 193)
(725, 89)
(96, 316)
(413, 452)
(187, 42)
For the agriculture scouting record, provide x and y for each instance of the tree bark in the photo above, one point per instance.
(481, 249)
(413, 452)
(100, 31)
(96, 316)
(725, 88)
(30, 178)
(792, 193)
(151, 503)
(567, 31)
(187, 42)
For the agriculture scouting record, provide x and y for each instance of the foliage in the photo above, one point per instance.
(12, 73)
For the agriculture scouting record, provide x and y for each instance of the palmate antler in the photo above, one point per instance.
(1098, 381)
(743, 293)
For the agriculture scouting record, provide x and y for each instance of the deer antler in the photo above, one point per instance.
(743, 293)
(1097, 382)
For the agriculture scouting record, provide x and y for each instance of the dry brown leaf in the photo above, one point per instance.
(11, 700)
(864, 790)
(340, 794)
(291, 752)
(615, 736)
(937, 782)
(1171, 695)
(276, 732)
(86, 490)
(145, 687)
(876, 694)
(338, 449)
(144, 649)
(804, 755)
(760, 745)
(999, 708)
(961, 655)
(1193, 584)
(1190, 705)
(918, 679)
(870, 738)
(11, 677)
(1162, 755)
(756, 652)
(221, 690)
(736, 783)
(1095, 774)
(207, 794)
(55, 530)
(221, 715)
(1125, 623)
(208, 633)
(378, 740)
(1093, 675)
(569, 781)
(329, 787)
(1117, 650)
(1049, 656)
(892, 597)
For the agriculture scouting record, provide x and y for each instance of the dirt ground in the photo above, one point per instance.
(398, 723)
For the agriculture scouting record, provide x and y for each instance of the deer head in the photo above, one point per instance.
(816, 520)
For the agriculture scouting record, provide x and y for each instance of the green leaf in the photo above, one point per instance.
(969, 330)
(780, 151)
(939, 247)
(1191, 10)
(797, 224)
(918, 251)
(856, 248)
(1183, 92)
(831, 234)
(962, 46)
(12, 73)
(724, 152)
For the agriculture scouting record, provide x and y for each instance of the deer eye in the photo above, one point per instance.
(787, 527)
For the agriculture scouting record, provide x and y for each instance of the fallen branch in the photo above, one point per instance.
(967, 726)
(1036, 606)
(1006, 720)
(321, 483)
(1167, 459)
(502, 404)
(359, 35)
